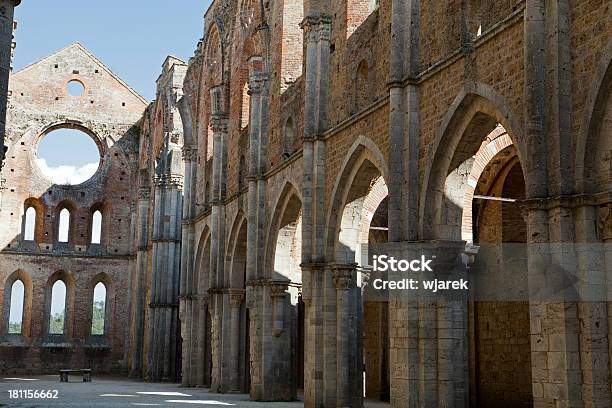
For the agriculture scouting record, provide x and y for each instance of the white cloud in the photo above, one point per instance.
(67, 174)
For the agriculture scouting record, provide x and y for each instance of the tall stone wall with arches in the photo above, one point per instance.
(447, 124)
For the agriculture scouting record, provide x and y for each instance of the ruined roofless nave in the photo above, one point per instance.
(227, 221)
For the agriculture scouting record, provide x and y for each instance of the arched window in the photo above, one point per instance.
(96, 227)
(64, 225)
(288, 138)
(57, 314)
(210, 137)
(29, 226)
(98, 315)
(246, 106)
(16, 307)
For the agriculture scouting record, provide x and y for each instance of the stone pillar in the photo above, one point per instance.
(7, 12)
(163, 338)
(318, 351)
(187, 313)
(236, 299)
(140, 272)
(219, 125)
(555, 351)
(404, 129)
(594, 306)
(256, 232)
(343, 282)
(277, 384)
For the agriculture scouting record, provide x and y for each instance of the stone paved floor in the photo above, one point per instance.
(106, 392)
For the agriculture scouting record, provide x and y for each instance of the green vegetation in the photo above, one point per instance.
(97, 321)
(56, 324)
(14, 328)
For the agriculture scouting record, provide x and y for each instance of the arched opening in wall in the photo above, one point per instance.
(363, 233)
(96, 227)
(17, 305)
(57, 311)
(596, 153)
(248, 13)
(214, 61)
(63, 229)
(210, 143)
(292, 42)
(239, 312)
(67, 169)
(33, 220)
(499, 329)
(476, 171)
(362, 94)
(286, 243)
(357, 11)
(376, 342)
(245, 107)
(98, 315)
(75, 87)
(30, 224)
(16, 311)
(288, 138)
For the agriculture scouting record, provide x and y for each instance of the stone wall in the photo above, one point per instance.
(109, 112)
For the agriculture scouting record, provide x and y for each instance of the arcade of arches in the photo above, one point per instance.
(224, 241)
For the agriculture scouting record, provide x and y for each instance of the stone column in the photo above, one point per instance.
(343, 281)
(236, 299)
(219, 124)
(7, 12)
(317, 32)
(404, 130)
(257, 226)
(555, 351)
(187, 313)
(277, 384)
(594, 308)
(165, 274)
(140, 272)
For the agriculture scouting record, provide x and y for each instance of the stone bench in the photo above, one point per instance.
(85, 372)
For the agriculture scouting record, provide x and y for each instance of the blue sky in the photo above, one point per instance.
(132, 37)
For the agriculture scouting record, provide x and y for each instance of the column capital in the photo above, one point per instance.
(236, 297)
(257, 81)
(278, 288)
(218, 123)
(317, 27)
(604, 222)
(190, 153)
(343, 275)
(217, 97)
(144, 193)
(169, 180)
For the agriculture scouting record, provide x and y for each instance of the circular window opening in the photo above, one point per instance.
(75, 88)
(67, 156)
